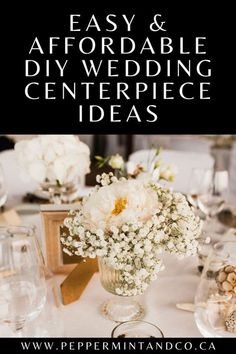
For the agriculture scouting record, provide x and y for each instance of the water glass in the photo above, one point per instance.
(22, 277)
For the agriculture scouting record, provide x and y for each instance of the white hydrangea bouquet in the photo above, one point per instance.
(129, 223)
(53, 158)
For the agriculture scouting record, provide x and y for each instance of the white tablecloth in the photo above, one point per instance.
(176, 284)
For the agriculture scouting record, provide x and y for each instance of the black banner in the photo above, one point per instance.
(79, 67)
(88, 345)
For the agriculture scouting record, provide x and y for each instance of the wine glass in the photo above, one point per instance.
(211, 201)
(195, 185)
(3, 189)
(199, 177)
(215, 300)
(213, 190)
(207, 190)
(136, 329)
(22, 277)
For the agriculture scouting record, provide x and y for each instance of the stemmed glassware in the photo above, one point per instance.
(213, 192)
(22, 277)
(208, 190)
(194, 188)
(208, 193)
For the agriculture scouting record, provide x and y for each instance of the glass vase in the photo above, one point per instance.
(119, 308)
(60, 194)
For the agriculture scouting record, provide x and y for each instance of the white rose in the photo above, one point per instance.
(116, 161)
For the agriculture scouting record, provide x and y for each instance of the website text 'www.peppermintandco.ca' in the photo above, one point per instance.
(117, 346)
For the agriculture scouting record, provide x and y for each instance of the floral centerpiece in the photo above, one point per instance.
(54, 161)
(155, 170)
(127, 224)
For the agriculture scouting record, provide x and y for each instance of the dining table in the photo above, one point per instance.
(175, 287)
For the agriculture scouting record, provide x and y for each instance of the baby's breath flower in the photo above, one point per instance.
(135, 248)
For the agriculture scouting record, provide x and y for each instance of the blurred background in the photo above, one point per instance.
(221, 147)
(126, 144)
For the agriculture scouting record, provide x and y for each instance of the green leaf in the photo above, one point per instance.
(99, 158)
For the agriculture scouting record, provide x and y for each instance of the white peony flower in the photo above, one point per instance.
(119, 203)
